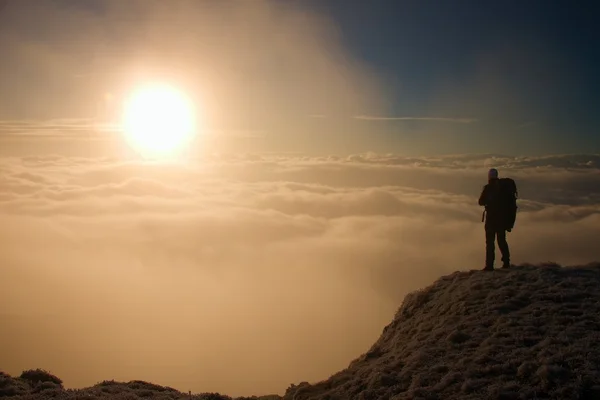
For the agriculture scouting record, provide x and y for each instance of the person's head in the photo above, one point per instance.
(492, 174)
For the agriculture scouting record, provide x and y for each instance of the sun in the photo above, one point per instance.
(159, 121)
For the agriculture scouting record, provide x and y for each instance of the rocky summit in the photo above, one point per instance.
(529, 332)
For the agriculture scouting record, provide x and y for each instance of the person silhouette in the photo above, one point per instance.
(495, 228)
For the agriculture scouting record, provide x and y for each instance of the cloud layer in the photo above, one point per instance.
(427, 119)
(194, 274)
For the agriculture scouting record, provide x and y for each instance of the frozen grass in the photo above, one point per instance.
(531, 332)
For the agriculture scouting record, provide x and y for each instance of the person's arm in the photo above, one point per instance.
(483, 196)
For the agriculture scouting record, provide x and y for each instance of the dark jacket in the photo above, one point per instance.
(490, 199)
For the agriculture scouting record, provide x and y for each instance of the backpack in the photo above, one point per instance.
(508, 202)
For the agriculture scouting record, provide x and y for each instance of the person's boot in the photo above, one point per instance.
(488, 267)
(506, 264)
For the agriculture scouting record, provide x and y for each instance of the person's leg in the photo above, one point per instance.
(503, 245)
(490, 236)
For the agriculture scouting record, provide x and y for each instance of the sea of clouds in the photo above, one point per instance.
(244, 273)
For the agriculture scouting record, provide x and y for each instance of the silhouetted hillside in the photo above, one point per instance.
(524, 333)
(39, 384)
(530, 332)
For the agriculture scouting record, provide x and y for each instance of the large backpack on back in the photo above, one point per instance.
(508, 200)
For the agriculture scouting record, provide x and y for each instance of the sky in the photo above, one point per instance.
(410, 77)
(339, 153)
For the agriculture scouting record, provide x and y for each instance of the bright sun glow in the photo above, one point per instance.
(159, 121)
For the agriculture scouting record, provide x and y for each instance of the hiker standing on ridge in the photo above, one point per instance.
(499, 198)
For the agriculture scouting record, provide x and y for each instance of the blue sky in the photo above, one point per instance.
(423, 77)
(530, 66)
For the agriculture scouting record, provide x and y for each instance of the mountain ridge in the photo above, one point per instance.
(518, 333)
(527, 332)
